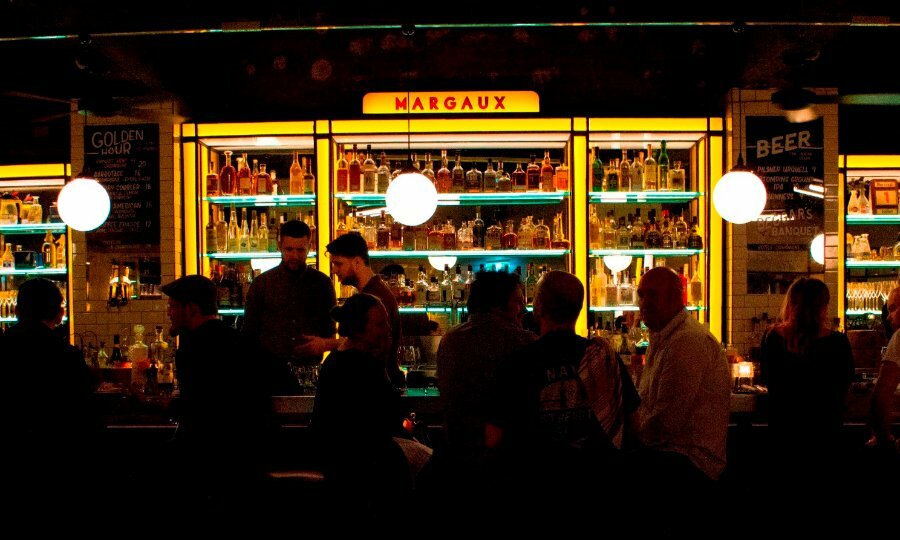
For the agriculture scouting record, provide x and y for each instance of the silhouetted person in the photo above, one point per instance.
(888, 379)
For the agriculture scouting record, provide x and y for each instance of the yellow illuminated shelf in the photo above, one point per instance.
(655, 252)
(869, 219)
(32, 228)
(263, 200)
(398, 254)
(465, 199)
(635, 308)
(611, 197)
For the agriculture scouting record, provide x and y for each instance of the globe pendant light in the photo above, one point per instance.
(411, 198)
(83, 203)
(739, 196)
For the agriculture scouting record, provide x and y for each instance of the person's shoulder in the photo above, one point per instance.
(316, 274)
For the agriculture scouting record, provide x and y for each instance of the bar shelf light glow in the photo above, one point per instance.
(871, 219)
(403, 309)
(610, 309)
(854, 263)
(464, 199)
(264, 200)
(34, 272)
(854, 312)
(648, 251)
(247, 255)
(398, 254)
(644, 196)
(16, 319)
(32, 228)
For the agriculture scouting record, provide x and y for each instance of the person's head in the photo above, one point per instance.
(363, 320)
(39, 301)
(192, 300)
(893, 306)
(660, 297)
(349, 254)
(294, 244)
(558, 301)
(804, 311)
(497, 292)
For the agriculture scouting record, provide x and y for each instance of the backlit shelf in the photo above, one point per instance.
(854, 263)
(231, 311)
(437, 309)
(16, 319)
(34, 272)
(264, 200)
(648, 251)
(399, 254)
(863, 312)
(247, 255)
(465, 199)
(868, 219)
(602, 309)
(606, 197)
(32, 228)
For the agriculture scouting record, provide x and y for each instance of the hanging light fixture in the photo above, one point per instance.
(617, 263)
(411, 198)
(83, 202)
(817, 248)
(739, 196)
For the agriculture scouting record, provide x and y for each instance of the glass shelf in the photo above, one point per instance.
(247, 255)
(596, 309)
(34, 272)
(399, 254)
(654, 252)
(644, 196)
(869, 219)
(16, 319)
(231, 311)
(264, 200)
(32, 228)
(863, 312)
(465, 199)
(853, 263)
(403, 309)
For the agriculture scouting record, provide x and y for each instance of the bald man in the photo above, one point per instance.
(888, 379)
(685, 388)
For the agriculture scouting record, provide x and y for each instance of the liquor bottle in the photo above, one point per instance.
(695, 241)
(227, 176)
(651, 171)
(610, 236)
(864, 207)
(61, 251)
(612, 176)
(103, 356)
(383, 175)
(853, 205)
(541, 236)
(493, 235)
(652, 238)
(435, 238)
(448, 240)
(446, 286)
(478, 231)
(272, 244)
(526, 233)
(457, 176)
(504, 182)
(595, 230)
(490, 177)
(509, 240)
(682, 275)
(48, 251)
(382, 235)
(138, 354)
(597, 179)
(262, 234)
(547, 183)
(221, 226)
(212, 181)
(370, 172)
(244, 242)
(562, 174)
(665, 233)
(530, 283)
(263, 180)
(234, 232)
(695, 295)
(637, 172)
(408, 236)
(309, 179)
(254, 174)
(681, 232)
(273, 181)
(8, 261)
(460, 288)
(474, 180)
(253, 238)
(244, 176)
(533, 175)
(444, 179)
(637, 231)
(623, 234)
(116, 359)
(355, 172)
(343, 173)
(897, 249)
(559, 240)
(211, 239)
(464, 236)
(663, 165)
(421, 237)
(295, 185)
(625, 172)
(519, 178)
(676, 177)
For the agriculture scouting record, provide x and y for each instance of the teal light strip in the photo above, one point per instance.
(654, 252)
(611, 197)
(231, 311)
(863, 312)
(857, 219)
(469, 254)
(635, 308)
(32, 228)
(872, 264)
(265, 200)
(252, 255)
(466, 199)
(16, 319)
(437, 309)
(34, 272)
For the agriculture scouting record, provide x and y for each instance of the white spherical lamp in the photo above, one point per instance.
(617, 263)
(83, 204)
(411, 198)
(739, 196)
(437, 262)
(817, 248)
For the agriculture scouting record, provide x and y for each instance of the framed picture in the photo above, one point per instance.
(883, 195)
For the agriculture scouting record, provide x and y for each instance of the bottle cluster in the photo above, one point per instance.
(638, 174)
(29, 210)
(632, 232)
(51, 255)
(614, 289)
(244, 181)
(451, 289)
(258, 233)
(357, 172)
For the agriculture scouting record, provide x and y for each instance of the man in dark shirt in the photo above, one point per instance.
(350, 263)
(290, 300)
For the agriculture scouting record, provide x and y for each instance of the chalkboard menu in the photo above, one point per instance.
(789, 159)
(125, 160)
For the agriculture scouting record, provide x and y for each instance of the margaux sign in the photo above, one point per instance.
(466, 102)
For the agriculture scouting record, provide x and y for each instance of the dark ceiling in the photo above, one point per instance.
(631, 58)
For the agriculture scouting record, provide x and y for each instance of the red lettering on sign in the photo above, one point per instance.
(399, 104)
(432, 103)
(483, 105)
(466, 104)
(417, 104)
(498, 102)
(450, 103)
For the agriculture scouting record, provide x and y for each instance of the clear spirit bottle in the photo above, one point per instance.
(478, 231)
(428, 170)
(370, 172)
(234, 232)
(676, 178)
(504, 182)
(651, 172)
(625, 172)
(383, 175)
(637, 172)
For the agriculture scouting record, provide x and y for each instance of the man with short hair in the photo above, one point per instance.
(685, 389)
(350, 263)
(888, 379)
(290, 300)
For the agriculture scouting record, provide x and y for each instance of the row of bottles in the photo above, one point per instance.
(634, 233)
(52, 254)
(14, 210)
(152, 367)
(388, 234)
(616, 288)
(232, 283)
(452, 289)
(244, 181)
(358, 173)
(639, 173)
(256, 234)
(859, 248)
